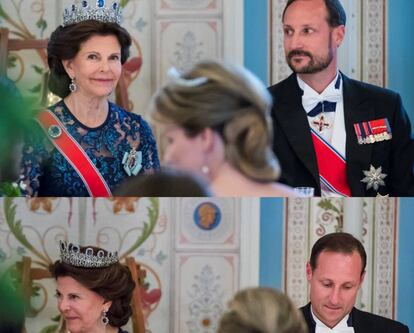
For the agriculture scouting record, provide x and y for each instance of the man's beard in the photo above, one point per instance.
(315, 65)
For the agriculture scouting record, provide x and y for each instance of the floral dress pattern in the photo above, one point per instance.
(46, 172)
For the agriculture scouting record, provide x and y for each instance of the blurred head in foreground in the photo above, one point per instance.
(214, 121)
(261, 310)
(166, 183)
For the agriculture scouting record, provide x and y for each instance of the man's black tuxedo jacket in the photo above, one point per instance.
(293, 143)
(362, 322)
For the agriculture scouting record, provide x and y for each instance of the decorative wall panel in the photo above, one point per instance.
(208, 223)
(384, 254)
(188, 6)
(279, 69)
(374, 45)
(183, 42)
(296, 233)
(205, 284)
(28, 19)
(207, 247)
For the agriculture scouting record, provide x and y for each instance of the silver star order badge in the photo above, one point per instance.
(374, 178)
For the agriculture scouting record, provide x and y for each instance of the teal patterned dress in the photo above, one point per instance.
(46, 172)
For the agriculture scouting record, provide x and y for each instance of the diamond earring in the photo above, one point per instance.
(205, 169)
(104, 318)
(72, 86)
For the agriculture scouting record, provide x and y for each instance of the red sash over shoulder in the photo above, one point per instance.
(331, 165)
(74, 154)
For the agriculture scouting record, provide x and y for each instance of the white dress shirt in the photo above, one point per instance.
(341, 327)
(335, 135)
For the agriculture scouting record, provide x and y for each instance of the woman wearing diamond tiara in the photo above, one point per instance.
(215, 121)
(88, 145)
(93, 290)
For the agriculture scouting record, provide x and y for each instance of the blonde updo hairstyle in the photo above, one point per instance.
(262, 310)
(232, 102)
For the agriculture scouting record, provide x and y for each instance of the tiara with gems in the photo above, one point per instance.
(70, 254)
(98, 12)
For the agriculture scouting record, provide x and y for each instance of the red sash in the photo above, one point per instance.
(331, 165)
(75, 155)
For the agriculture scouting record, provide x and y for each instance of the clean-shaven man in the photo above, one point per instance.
(335, 272)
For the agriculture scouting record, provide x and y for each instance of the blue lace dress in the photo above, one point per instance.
(46, 172)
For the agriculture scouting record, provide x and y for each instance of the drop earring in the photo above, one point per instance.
(104, 318)
(72, 86)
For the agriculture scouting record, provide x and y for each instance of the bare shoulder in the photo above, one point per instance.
(284, 190)
(278, 190)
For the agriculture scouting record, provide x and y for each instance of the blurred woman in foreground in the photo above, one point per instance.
(214, 120)
(262, 310)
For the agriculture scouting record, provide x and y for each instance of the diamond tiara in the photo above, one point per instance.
(98, 12)
(175, 77)
(70, 254)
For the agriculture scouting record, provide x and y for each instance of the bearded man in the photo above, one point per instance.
(339, 136)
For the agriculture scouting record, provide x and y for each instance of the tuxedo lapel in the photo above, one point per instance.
(310, 322)
(357, 108)
(358, 322)
(293, 120)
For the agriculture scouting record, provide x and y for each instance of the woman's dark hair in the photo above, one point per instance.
(113, 283)
(65, 43)
(166, 183)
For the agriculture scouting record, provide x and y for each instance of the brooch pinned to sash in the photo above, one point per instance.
(374, 178)
(54, 131)
(373, 131)
(132, 162)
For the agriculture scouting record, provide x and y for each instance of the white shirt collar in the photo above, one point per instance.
(343, 323)
(309, 91)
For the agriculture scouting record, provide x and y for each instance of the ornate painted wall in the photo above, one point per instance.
(190, 248)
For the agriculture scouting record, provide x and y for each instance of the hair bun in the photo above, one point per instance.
(247, 141)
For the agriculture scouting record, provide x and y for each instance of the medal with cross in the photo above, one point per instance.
(321, 123)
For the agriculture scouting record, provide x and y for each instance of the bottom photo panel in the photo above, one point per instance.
(206, 265)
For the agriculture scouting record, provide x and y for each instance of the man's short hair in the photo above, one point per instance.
(340, 242)
(336, 13)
